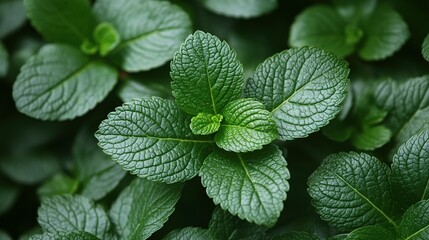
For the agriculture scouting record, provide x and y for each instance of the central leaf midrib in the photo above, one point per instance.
(206, 68)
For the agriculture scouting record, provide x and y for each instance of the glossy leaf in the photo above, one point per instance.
(205, 123)
(193, 233)
(241, 8)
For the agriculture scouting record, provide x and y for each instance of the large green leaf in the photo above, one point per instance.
(193, 233)
(240, 8)
(410, 170)
(68, 213)
(373, 232)
(150, 33)
(151, 138)
(302, 87)
(247, 126)
(65, 21)
(206, 74)
(250, 185)
(65, 236)
(143, 207)
(60, 83)
(415, 222)
(425, 48)
(12, 16)
(351, 190)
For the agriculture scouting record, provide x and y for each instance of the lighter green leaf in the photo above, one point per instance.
(12, 16)
(151, 138)
(351, 190)
(240, 8)
(60, 83)
(247, 126)
(64, 236)
(410, 170)
(151, 31)
(415, 222)
(58, 185)
(107, 38)
(193, 233)
(68, 213)
(206, 74)
(64, 21)
(205, 123)
(425, 48)
(352, 10)
(143, 207)
(302, 87)
(374, 232)
(4, 60)
(250, 185)
(371, 137)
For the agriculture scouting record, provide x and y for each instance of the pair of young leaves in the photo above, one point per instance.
(293, 93)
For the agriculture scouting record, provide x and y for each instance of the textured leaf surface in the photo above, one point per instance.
(205, 123)
(65, 21)
(302, 87)
(193, 233)
(151, 138)
(12, 16)
(4, 60)
(240, 8)
(373, 232)
(425, 48)
(247, 126)
(415, 222)
(64, 235)
(351, 190)
(206, 74)
(151, 31)
(73, 213)
(250, 185)
(410, 170)
(60, 83)
(143, 207)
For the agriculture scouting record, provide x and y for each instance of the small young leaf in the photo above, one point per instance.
(425, 48)
(250, 185)
(415, 222)
(64, 235)
(143, 207)
(107, 38)
(371, 138)
(242, 8)
(73, 213)
(373, 232)
(351, 190)
(410, 170)
(4, 60)
(302, 87)
(193, 233)
(247, 126)
(67, 86)
(58, 185)
(151, 138)
(64, 21)
(150, 33)
(205, 123)
(206, 74)
(296, 236)
(12, 16)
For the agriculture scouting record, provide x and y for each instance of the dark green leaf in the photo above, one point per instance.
(425, 48)
(57, 185)
(241, 8)
(415, 222)
(107, 38)
(192, 233)
(351, 190)
(205, 123)
(206, 74)
(373, 232)
(302, 87)
(65, 236)
(250, 185)
(4, 60)
(143, 207)
(151, 138)
(8, 195)
(296, 236)
(338, 131)
(12, 16)
(247, 126)
(371, 138)
(68, 85)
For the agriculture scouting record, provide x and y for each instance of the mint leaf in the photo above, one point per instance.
(4, 60)
(205, 123)
(64, 235)
(206, 74)
(193, 233)
(371, 137)
(302, 87)
(247, 126)
(425, 48)
(107, 38)
(374, 232)
(151, 138)
(73, 213)
(410, 170)
(65, 21)
(68, 85)
(351, 190)
(296, 236)
(58, 185)
(150, 34)
(143, 207)
(250, 185)
(157, 84)
(243, 8)
(415, 222)
(12, 16)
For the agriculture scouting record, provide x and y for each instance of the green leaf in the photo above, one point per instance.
(374, 232)
(193, 233)
(240, 9)
(8, 195)
(410, 170)
(58, 185)
(247, 126)
(151, 138)
(64, 21)
(206, 74)
(68, 85)
(321, 26)
(64, 235)
(415, 222)
(150, 33)
(425, 48)
(353, 11)
(4, 235)
(302, 87)
(12, 16)
(296, 236)
(73, 213)
(143, 207)
(107, 38)
(205, 123)
(4, 60)
(351, 190)
(371, 138)
(250, 185)
(338, 131)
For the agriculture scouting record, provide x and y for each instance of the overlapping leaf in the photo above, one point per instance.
(193, 233)
(415, 222)
(205, 123)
